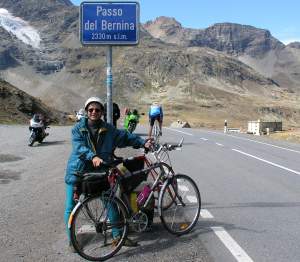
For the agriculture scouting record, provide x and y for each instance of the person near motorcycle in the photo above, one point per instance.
(80, 114)
(94, 141)
(38, 124)
(116, 113)
(155, 113)
(131, 120)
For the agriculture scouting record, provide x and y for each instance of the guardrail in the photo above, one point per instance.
(235, 130)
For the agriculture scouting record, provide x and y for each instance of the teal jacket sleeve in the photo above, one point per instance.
(122, 138)
(81, 146)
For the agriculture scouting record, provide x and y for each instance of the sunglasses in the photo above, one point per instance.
(97, 110)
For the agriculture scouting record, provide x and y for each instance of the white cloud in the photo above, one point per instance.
(20, 28)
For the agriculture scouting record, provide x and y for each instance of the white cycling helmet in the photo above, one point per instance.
(93, 99)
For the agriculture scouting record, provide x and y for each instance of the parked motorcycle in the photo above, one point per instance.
(37, 134)
(37, 129)
(80, 114)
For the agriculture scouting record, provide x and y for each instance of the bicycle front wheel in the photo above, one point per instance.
(181, 214)
(99, 227)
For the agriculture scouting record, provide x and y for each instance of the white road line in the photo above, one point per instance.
(234, 248)
(239, 254)
(203, 138)
(218, 144)
(269, 162)
(178, 131)
(263, 143)
(192, 199)
(204, 213)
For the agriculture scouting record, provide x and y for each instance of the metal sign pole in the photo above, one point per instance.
(109, 23)
(109, 111)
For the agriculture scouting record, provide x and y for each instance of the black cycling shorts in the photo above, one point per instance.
(153, 118)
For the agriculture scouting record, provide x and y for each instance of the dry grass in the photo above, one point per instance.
(290, 136)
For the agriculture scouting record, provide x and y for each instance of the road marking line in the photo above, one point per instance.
(243, 138)
(269, 162)
(218, 144)
(192, 199)
(202, 138)
(204, 213)
(239, 254)
(178, 131)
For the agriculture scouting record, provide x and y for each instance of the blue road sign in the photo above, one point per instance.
(109, 23)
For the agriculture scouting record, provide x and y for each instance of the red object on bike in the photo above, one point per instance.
(143, 195)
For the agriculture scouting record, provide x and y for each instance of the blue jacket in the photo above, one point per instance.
(83, 149)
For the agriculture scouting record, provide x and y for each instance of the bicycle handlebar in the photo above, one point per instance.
(171, 147)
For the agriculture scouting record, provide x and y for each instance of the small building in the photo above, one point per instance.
(263, 127)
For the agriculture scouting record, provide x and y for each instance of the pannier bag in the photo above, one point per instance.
(130, 180)
(94, 183)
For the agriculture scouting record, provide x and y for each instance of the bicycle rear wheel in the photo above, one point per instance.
(93, 225)
(181, 214)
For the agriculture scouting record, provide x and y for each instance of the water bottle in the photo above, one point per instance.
(143, 195)
(133, 202)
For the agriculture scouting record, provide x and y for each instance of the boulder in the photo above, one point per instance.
(180, 124)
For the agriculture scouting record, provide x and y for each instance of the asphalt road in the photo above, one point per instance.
(32, 206)
(250, 188)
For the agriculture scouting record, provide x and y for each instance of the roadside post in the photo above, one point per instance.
(110, 23)
(225, 126)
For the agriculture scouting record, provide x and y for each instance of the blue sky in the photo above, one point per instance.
(282, 18)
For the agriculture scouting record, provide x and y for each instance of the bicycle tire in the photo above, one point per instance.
(176, 217)
(171, 197)
(156, 131)
(96, 234)
(31, 139)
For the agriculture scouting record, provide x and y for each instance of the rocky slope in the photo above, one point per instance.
(226, 70)
(17, 107)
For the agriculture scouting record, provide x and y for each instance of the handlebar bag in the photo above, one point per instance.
(94, 183)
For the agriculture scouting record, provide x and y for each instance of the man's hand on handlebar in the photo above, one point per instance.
(149, 144)
(97, 161)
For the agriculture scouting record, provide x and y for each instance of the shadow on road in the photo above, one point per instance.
(9, 158)
(157, 240)
(51, 143)
(205, 226)
(7, 176)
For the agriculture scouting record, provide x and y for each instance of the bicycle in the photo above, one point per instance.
(92, 224)
(156, 132)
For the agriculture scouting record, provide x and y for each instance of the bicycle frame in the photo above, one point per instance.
(114, 179)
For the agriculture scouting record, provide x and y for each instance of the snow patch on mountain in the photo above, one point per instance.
(20, 28)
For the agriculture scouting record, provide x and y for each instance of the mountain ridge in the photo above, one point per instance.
(208, 71)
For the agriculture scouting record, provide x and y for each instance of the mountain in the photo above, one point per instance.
(231, 38)
(227, 71)
(18, 107)
(252, 46)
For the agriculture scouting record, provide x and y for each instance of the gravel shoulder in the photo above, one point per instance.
(32, 206)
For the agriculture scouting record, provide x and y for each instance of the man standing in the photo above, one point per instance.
(94, 141)
(116, 113)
